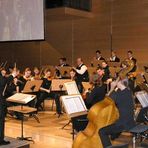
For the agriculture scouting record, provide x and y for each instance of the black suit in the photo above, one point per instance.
(96, 95)
(3, 82)
(124, 103)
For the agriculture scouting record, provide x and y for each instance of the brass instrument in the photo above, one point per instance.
(122, 74)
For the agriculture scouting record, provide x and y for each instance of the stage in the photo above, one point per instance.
(49, 132)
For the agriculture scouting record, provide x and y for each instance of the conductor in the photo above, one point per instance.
(4, 82)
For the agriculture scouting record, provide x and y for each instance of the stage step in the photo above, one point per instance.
(15, 143)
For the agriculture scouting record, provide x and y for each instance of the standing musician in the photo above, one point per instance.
(46, 92)
(4, 82)
(124, 102)
(81, 73)
(114, 57)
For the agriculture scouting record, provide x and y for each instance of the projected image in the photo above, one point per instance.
(21, 20)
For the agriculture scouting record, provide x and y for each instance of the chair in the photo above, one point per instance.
(52, 106)
(140, 130)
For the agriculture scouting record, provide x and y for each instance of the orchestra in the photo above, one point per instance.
(101, 80)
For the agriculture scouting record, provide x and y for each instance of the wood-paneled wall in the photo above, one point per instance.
(82, 37)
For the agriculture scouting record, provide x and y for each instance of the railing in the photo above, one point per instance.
(76, 4)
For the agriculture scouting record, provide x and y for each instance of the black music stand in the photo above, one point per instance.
(23, 110)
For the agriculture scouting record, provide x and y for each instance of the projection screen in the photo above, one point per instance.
(21, 20)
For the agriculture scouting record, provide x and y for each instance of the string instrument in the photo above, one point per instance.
(102, 114)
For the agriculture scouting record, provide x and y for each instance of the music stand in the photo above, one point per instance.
(58, 84)
(65, 71)
(22, 99)
(32, 86)
(74, 106)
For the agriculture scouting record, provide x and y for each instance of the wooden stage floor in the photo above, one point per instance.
(47, 133)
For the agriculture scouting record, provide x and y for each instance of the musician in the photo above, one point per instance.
(23, 79)
(36, 74)
(62, 62)
(4, 82)
(130, 57)
(98, 92)
(124, 102)
(114, 57)
(106, 75)
(97, 57)
(81, 73)
(46, 92)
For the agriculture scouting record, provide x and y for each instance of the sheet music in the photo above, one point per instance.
(74, 104)
(142, 96)
(21, 98)
(71, 88)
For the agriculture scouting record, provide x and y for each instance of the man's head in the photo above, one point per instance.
(113, 53)
(62, 61)
(79, 61)
(98, 53)
(129, 54)
(104, 64)
(100, 71)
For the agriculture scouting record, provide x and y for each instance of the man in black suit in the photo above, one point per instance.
(4, 82)
(124, 102)
(114, 57)
(130, 57)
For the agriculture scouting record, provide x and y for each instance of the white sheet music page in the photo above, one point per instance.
(74, 104)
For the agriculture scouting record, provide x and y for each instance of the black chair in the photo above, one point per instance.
(141, 129)
(119, 146)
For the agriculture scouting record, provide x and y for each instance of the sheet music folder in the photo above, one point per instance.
(74, 105)
(21, 98)
(32, 86)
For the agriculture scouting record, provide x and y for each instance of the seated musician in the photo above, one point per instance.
(62, 62)
(131, 78)
(124, 102)
(114, 57)
(130, 57)
(106, 75)
(36, 74)
(98, 92)
(46, 92)
(23, 79)
(98, 57)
